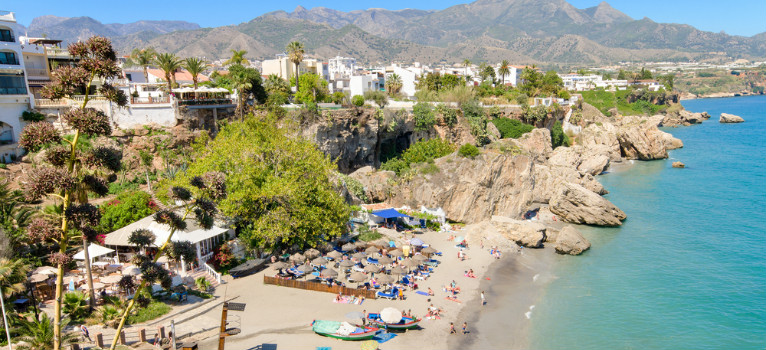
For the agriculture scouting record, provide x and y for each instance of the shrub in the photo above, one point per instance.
(367, 235)
(448, 115)
(154, 310)
(125, 209)
(32, 116)
(379, 97)
(423, 116)
(421, 151)
(558, 137)
(468, 151)
(357, 100)
(511, 128)
(75, 305)
(355, 187)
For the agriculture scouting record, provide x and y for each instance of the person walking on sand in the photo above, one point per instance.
(465, 325)
(483, 301)
(452, 328)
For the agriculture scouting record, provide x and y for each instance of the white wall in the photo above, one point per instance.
(408, 80)
(129, 118)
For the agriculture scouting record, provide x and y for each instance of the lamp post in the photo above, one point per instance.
(5, 320)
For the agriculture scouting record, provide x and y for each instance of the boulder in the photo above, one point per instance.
(376, 183)
(678, 165)
(578, 205)
(524, 232)
(571, 241)
(638, 141)
(537, 143)
(493, 133)
(684, 118)
(730, 118)
(671, 142)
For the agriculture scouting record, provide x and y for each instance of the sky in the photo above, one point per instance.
(739, 17)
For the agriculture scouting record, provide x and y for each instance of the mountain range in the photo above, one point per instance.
(522, 31)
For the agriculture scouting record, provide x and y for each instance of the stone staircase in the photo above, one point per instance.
(202, 273)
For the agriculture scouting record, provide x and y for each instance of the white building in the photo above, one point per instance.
(407, 76)
(285, 69)
(358, 84)
(512, 78)
(577, 82)
(14, 90)
(341, 67)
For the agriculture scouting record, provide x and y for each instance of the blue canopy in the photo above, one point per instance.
(389, 214)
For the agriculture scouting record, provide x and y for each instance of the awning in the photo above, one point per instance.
(94, 250)
(194, 234)
(389, 214)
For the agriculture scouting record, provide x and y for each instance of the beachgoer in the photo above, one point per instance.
(465, 325)
(483, 301)
(156, 341)
(452, 328)
(364, 317)
(430, 292)
(401, 294)
(453, 284)
(85, 333)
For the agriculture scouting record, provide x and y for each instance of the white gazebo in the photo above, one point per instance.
(94, 251)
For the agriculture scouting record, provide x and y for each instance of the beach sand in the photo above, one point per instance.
(280, 317)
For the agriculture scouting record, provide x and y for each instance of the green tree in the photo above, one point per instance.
(70, 175)
(248, 83)
(667, 80)
(645, 74)
(169, 64)
(376, 96)
(42, 334)
(423, 115)
(357, 100)
(237, 57)
(280, 188)
(466, 64)
(75, 306)
(623, 75)
(468, 151)
(488, 73)
(142, 58)
(275, 84)
(393, 84)
(558, 137)
(313, 89)
(195, 66)
(505, 69)
(127, 208)
(295, 52)
(531, 81)
(551, 83)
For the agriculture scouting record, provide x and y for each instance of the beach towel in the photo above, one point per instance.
(383, 337)
(422, 293)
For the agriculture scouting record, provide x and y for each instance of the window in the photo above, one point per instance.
(6, 35)
(128, 76)
(12, 84)
(7, 57)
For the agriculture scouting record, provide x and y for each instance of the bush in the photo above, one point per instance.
(355, 187)
(125, 209)
(154, 310)
(468, 151)
(32, 116)
(420, 152)
(357, 100)
(379, 97)
(367, 235)
(558, 137)
(511, 128)
(448, 115)
(423, 116)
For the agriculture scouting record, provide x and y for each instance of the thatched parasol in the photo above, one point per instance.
(279, 265)
(329, 273)
(398, 270)
(385, 279)
(360, 244)
(358, 277)
(37, 278)
(348, 247)
(372, 268)
(359, 256)
(335, 254)
(385, 260)
(319, 261)
(371, 250)
(420, 258)
(305, 268)
(298, 257)
(312, 253)
(396, 253)
(347, 263)
(428, 250)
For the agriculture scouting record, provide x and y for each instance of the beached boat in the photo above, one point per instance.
(343, 330)
(404, 323)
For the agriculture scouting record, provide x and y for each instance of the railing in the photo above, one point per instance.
(319, 287)
(45, 102)
(149, 100)
(202, 102)
(81, 98)
(209, 269)
(38, 72)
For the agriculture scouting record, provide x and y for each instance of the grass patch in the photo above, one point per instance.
(200, 294)
(154, 310)
(511, 128)
(607, 100)
(367, 235)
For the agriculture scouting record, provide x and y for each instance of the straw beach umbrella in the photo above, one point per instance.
(396, 253)
(385, 260)
(398, 270)
(360, 244)
(428, 250)
(319, 261)
(298, 257)
(358, 277)
(385, 279)
(371, 250)
(335, 254)
(37, 278)
(279, 265)
(420, 258)
(372, 268)
(312, 253)
(306, 269)
(329, 273)
(359, 256)
(348, 247)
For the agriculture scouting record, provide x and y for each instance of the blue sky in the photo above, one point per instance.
(741, 17)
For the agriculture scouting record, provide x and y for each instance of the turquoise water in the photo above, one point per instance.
(687, 270)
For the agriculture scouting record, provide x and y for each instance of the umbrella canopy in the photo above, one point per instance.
(131, 271)
(319, 261)
(298, 257)
(360, 244)
(335, 254)
(398, 270)
(312, 253)
(37, 278)
(96, 285)
(112, 279)
(329, 273)
(355, 315)
(385, 279)
(428, 250)
(358, 277)
(45, 270)
(279, 265)
(396, 253)
(390, 315)
(305, 268)
(348, 247)
(369, 345)
(359, 256)
(380, 242)
(372, 268)
(420, 258)
(371, 250)
(347, 263)
(94, 251)
(385, 260)
(410, 263)
(416, 242)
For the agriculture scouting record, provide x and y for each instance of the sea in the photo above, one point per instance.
(687, 269)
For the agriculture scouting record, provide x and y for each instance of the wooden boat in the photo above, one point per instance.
(343, 330)
(405, 323)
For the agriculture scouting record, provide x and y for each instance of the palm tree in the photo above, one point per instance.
(295, 52)
(237, 57)
(504, 70)
(274, 84)
(13, 274)
(243, 85)
(38, 334)
(466, 64)
(169, 63)
(393, 84)
(195, 66)
(142, 58)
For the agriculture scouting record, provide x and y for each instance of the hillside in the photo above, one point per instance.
(71, 29)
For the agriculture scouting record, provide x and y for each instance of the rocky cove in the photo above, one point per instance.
(509, 178)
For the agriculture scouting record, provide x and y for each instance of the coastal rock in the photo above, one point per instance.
(684, 118)
(640, 139)
(526, 233)
(730, 118)
(537, 143)
(679, 165)
(493, 133)
(576, 204)
(603, 136)
(375, 182)
(593, 160)
(571, 241)
(671, 142)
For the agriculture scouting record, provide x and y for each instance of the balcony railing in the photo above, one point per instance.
(149, 100)
(37, 72)
(46, 102)
(202, 102)
(13, 91)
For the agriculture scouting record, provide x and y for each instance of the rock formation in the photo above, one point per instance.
(678, 165)
(684, 118)
(576, 204)
(525, 233)
(730, 118)
(571, 241)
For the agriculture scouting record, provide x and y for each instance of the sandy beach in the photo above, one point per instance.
(280, 317)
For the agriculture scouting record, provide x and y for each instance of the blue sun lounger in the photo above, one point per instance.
(390, 295)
